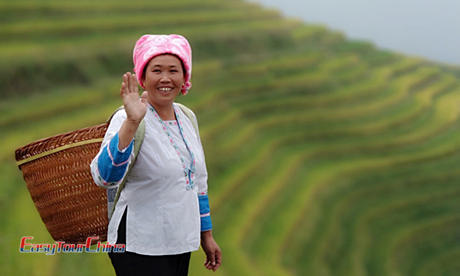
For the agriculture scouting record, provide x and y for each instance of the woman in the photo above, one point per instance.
(162, 213)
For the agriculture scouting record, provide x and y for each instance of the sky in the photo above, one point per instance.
(424, 28)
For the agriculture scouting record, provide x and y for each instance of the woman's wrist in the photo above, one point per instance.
(206, 234)
(133, 123)
(126, 133)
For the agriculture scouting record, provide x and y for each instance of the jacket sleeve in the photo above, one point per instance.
(110, 165)
(202, 185)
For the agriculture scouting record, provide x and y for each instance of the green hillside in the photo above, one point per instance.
(325, 156)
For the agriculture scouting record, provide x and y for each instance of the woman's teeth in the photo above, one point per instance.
(165, 89)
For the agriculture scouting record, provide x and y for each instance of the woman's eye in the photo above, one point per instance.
(156, 70)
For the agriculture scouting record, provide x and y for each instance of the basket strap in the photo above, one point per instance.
(188, 112)
(138, 139)
(113, 114)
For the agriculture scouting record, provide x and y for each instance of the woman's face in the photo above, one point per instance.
(163, 79)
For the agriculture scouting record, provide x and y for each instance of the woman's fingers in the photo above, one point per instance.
(133, 83)
(207, 263)
(129, 84)
(128, 78)
(213, 261)
(218, 259)
(124, 84)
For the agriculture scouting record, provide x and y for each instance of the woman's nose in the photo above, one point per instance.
(165, 78)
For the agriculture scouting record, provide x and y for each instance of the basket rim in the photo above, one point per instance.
(67, 140)
(46, 153)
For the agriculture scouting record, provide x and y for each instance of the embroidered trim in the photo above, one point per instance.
(105, 183)
(111, 158)
(189, 173)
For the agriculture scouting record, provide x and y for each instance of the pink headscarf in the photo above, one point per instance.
(149, 46)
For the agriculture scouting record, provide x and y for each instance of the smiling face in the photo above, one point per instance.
(163, 79)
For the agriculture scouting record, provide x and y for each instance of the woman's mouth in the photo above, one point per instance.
(165, 90)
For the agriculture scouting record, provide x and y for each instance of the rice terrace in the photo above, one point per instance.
(326, 156)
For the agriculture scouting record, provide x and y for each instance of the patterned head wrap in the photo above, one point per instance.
(150, 46)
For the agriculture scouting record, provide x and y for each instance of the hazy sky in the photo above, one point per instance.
(427, 28)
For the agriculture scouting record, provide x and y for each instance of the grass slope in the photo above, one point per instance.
(325, 156)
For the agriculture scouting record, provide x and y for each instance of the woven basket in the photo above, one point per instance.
(58, 177)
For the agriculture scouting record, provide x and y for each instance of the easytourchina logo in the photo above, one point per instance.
(26, 246)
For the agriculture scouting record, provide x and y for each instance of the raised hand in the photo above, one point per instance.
(135, 106)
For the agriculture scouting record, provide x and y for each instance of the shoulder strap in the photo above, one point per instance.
(114, 194)
(115, 112)
(189, 113)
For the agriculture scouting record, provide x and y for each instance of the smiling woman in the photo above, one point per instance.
(163, 205)
(163, 79)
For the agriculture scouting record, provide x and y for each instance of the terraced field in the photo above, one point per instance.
(325, 156)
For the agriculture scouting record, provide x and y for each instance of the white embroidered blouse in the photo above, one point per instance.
(164, 212)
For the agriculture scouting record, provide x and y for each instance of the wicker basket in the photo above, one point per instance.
(58, 177)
